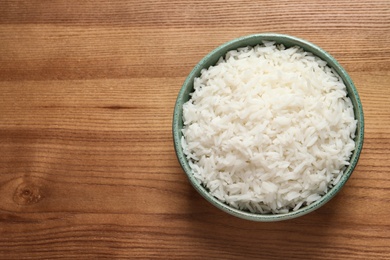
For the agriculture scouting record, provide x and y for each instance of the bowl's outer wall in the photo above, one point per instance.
(252, 40)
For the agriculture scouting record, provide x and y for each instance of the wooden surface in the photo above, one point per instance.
(87, 165)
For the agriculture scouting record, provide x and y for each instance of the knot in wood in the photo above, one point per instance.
(27, 194)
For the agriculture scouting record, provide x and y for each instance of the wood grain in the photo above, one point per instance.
(87, 165)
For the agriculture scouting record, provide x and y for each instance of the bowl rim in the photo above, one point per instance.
(187, 87)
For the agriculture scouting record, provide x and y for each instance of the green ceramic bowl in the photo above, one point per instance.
(252, 40)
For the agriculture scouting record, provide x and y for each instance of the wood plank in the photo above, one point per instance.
(87, 164)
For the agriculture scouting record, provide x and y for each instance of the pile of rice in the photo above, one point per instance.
(268, 129)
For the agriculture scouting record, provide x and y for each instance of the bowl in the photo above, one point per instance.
(252, 40)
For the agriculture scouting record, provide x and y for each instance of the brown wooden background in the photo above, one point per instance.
(87, 165)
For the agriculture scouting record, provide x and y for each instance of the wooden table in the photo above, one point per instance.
(87, 165)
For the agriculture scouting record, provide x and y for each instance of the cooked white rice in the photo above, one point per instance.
(268, 129)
